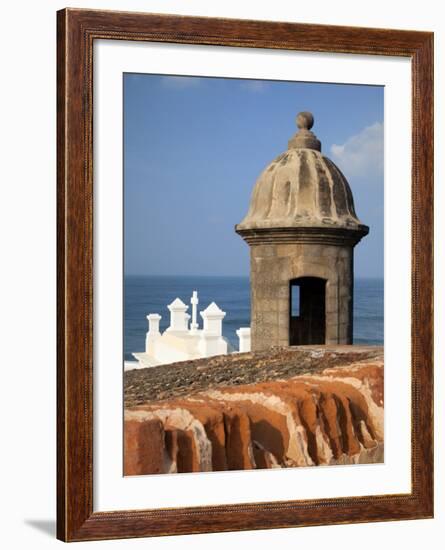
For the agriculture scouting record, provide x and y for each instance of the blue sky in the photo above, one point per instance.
(194, 147)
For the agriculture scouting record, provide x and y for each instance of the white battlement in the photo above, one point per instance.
(181, 343)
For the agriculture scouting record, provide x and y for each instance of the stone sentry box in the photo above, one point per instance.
(301, 228)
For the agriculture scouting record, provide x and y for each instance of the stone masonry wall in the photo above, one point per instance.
(274, 265)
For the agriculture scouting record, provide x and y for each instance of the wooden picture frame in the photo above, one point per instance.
(77, 31)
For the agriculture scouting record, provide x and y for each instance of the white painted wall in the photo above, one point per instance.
(28, 271)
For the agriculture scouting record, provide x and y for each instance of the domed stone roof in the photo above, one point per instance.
(302, 188)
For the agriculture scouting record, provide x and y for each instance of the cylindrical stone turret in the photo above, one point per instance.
(301, 228)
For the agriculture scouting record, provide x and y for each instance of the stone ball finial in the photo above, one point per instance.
(304, 138)
(305, 120)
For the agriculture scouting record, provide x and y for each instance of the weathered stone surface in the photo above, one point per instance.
(302, 188)
(184, 378)
(270, 278)
(330, 413)
(144, 446)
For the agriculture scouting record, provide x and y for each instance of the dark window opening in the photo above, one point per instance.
(307, 311)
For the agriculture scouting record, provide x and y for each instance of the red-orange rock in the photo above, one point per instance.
(333, 417)
(144, 447)
(239, 450)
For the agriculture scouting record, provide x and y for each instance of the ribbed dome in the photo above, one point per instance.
(302, 188)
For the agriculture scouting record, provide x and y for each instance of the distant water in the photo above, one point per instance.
(151, 294)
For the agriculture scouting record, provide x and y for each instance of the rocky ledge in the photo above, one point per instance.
(288, 407)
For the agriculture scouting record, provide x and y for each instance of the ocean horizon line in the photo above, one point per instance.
(374, 278)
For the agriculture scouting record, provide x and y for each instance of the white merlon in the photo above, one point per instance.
(213, 317)
(153, 323)
(178, 316)
(212, 341)
(243, 334)
(153, 333)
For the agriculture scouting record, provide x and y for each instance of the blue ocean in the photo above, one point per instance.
(151, 294)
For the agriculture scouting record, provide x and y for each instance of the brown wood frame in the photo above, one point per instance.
(77, 30)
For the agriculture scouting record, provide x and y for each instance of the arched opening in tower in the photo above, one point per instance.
(307, 311)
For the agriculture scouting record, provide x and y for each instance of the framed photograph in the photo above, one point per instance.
(245, 229)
